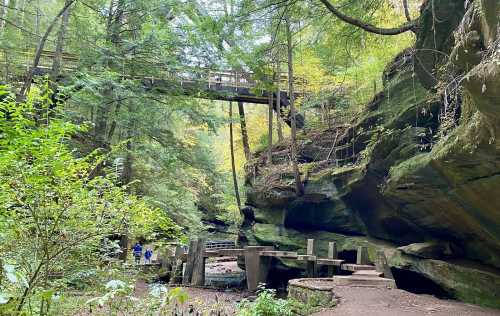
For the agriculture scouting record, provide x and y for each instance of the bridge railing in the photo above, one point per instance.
(219, 244)
(227, 78)
(18, 62)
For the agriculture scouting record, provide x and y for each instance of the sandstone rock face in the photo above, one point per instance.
(419, 168)
(432, 249)
(466, 281)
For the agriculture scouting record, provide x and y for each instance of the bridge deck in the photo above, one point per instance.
(223, 85)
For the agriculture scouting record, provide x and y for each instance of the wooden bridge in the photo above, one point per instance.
(224, 85)
(188, 267)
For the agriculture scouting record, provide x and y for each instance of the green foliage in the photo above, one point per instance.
(123, 157)
(54, 212)
(159, 135)
(266, 304)
(119, 299)
(117, 291)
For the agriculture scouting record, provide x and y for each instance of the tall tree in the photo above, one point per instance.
(299, 187)
(233, 163)
(61, 37)
(270, 129)
(244, 132)
(279, 122)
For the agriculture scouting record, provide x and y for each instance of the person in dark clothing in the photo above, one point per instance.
(137, 252)
(147, 255)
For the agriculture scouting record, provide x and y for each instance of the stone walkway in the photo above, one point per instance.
(361, 301)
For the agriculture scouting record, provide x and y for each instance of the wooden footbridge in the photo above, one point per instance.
(187, 266)
(224, 85)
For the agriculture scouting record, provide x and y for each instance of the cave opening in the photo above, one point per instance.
(278, 279)
(349, 256)
(418, 284)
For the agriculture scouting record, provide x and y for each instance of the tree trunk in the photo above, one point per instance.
(39, 49)
(3, 13)
(299, 188)
(37, 21)
(115, 21)
(56, 65)
(407, 10)
(278, 104)
(124, 247)
(109, 18)
(112, 128)
(129, 159)
(102, 135)
(244, 132)
(101, 124)
(270, 130)
(233, 165)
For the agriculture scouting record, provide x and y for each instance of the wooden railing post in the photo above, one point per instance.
(236, 81)
(362, 255)
(332, 254)
(382, 265)
(311, 268)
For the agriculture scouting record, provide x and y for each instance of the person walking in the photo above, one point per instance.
(137, 252)
(147, 255)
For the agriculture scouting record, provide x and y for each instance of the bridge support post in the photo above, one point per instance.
(332, 254)
(362, 255)
(166, 261)
(176, 276)
(188, 270)
(311, 267)
(256, 266)
(194, 273)
(198, 277)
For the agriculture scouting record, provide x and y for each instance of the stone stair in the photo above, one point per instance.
(368, 273)
(364, 281)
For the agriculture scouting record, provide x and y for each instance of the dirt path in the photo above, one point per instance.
(360, 301)
(209, 301)
(203, 300)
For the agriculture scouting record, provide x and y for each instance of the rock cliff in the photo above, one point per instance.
(417, 174)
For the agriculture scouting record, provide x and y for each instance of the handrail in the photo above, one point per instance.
(14, 58)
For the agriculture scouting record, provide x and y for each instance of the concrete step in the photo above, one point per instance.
(368, 273)
(363, 281)
(356, 267)
(329, 262)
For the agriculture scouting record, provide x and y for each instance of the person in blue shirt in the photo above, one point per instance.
(137, 252)
(147, 255)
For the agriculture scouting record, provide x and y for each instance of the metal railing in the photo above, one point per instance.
(219, 244)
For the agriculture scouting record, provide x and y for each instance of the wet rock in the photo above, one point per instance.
(465, 280)
(432, 250)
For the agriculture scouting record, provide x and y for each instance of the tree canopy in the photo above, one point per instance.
(100, 140)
